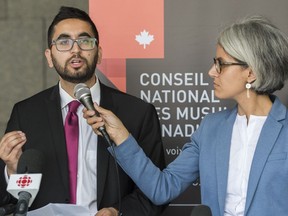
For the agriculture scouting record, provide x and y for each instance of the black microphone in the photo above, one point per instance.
(83, 94)
(5, 199)
(201, 210)
(7, 209)
(26, 183)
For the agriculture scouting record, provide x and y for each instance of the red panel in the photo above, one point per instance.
(119, 22)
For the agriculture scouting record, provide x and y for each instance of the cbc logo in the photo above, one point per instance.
(24, 181)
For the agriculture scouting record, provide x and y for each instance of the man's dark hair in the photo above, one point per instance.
(71, 13)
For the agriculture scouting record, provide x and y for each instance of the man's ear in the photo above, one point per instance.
(99, 60)
(49, 58)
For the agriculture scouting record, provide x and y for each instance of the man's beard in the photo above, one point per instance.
(78, 76)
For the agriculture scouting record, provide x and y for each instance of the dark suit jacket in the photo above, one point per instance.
(40, 118)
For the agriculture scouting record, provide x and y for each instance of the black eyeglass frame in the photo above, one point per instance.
(218, 64)
(72, 41)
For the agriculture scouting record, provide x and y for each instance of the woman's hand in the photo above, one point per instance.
(107, 212)
(114, 127)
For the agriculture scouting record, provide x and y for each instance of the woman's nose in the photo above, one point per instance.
(213, 72)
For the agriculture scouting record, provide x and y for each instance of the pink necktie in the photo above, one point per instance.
(72, 135)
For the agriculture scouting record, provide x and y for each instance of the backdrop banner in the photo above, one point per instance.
(161, 51)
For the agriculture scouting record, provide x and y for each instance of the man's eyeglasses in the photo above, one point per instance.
(218, 64)
(66, 44)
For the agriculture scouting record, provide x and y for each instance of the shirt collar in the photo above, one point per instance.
(65, 98)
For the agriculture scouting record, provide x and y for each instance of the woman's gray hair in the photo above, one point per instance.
(257, 42)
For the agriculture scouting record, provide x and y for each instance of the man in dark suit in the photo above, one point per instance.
(37, 123)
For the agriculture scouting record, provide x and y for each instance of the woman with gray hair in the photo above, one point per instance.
(240, 155)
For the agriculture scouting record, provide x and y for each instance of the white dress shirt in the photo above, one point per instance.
(243, 144)
(87, 152)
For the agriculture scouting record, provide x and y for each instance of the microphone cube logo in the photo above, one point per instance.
(24, 181)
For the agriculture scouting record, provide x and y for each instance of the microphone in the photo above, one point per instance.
(25, 184)
(5, 199)
(7, 209)
(201, 210)
(83, 94)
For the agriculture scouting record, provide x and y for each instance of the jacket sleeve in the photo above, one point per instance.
(148, 135)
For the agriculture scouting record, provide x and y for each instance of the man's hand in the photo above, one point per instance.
(107, 212)
(11, 149)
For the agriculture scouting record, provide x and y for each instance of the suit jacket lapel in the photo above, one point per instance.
(57, 132)
(222, 157)
(267, 139)
(102, 152)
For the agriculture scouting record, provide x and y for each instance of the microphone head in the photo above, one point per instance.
(81, 90)
(31, 161)
(201, 210)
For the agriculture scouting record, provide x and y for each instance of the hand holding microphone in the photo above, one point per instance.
(83, 94)
(117, 130)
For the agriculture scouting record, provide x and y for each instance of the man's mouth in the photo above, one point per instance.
(76, 62)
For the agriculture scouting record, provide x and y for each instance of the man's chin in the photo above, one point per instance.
(77, 79)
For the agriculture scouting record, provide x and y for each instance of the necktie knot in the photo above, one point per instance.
(73, 106)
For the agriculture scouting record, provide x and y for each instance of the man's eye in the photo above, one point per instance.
(63, 42)
(84, 41)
